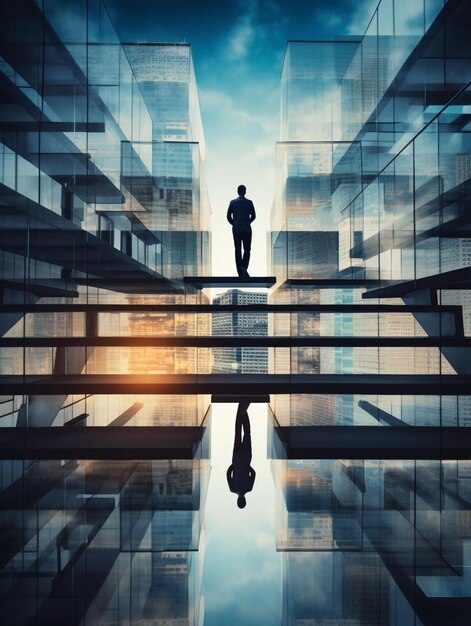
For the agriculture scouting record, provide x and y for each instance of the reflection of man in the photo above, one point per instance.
(240, 476)
(241, 213)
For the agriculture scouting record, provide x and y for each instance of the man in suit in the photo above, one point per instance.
(241, 213)
(240, 475)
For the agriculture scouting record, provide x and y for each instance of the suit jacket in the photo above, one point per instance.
(240, 479)
(241, 212)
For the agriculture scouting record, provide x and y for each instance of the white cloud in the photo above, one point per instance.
(240, 578)
(224, 104)
(264, 150)
(241, 38)
(330, 19)
(250, 30)
(264, 539)
(351, 20)
(229, 107)
(361, 17)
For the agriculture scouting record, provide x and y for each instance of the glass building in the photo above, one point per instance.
(370, 226)
(254, 323)
(103, 210)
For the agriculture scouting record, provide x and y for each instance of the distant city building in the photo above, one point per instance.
(232, 324)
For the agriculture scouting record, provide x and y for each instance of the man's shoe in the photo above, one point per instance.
(244, 273)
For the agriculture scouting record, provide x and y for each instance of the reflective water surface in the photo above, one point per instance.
(163, 541)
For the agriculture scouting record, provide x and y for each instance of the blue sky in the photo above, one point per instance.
(238, 48)
(242, 570)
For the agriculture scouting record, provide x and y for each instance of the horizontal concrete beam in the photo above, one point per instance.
(237, 384)
(229, 308)
(204, 341)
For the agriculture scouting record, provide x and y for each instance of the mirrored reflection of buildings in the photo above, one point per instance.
(242, 360)
(103, 211)
(372, 208)
(373, 542)
(106, 542)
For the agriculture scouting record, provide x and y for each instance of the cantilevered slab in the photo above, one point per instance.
(237, 384)
(454, 279)
(100, 442)
(202, 282)
(42, 287)
(84, 253)
(222, 399)
(206, 341)
(330, 283)
(129, 285)
(374, 442)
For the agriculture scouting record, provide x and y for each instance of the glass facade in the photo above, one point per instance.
(370, 210)
(103, 201)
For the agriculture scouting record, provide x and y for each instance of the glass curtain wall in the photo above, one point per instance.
(374, 541)
(96, 211)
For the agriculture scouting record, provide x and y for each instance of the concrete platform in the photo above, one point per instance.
(373, 442)
(203, 282)
(100, 442)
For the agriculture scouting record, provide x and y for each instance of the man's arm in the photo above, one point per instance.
(252, 215)
(229, 476)
(230, 214)
(252, 475)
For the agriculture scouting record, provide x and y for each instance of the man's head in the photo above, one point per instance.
(241, 501)
(241, 190)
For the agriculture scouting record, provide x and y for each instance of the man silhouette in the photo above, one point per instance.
(241, 213)
(240, 476)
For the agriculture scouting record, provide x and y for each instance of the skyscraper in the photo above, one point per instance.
(241, 360)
